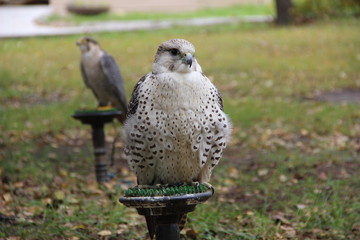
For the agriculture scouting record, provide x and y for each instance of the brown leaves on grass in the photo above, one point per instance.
(68, 190)
(16, 197)
(10, 207)
(327, 157)
(31, 96)
(272, 139)
(73, 138)
(192, 234)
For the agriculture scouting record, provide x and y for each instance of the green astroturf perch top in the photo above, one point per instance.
(150, 191)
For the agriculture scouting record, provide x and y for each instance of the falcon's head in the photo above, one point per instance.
(87, 43)
(176, 55)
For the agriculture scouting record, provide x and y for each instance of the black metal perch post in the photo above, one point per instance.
(97, 119)
(166, 211)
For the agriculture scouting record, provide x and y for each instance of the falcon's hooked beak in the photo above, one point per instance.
(80, 42)
(188, 59)
(83, 45)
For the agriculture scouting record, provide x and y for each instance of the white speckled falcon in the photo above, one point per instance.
(176, 130)
(102, 75)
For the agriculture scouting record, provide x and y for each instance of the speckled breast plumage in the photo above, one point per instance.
(178, 132)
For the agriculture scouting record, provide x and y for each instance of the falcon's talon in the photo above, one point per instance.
(195, 184)
(104, 108)
(156, 186)
(209, 186)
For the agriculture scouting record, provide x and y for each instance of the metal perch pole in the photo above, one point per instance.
(166, 211)
(97, 119)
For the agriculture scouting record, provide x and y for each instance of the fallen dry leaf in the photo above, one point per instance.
(47, 201)
(52, 156)
(79, 226)
(122, 228)
(72, 200)
(301, 206)
(93, 188)
(355, 229)
(279, 236)
(317, 230)
(304, 132)
(63, 172)
(249, 213)
(323, 176)
(59, 195)
(13, 238)
(289, 231)
(19, 184)
(344, 173)
(7, 197)
(104, 233)
(32, 210)
(233, 172)
(192, 234)
(283, 178)
(263, 172)
(279, 218)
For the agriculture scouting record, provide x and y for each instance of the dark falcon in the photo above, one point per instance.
(102, 75)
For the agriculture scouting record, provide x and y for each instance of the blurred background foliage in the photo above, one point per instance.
(309, 10)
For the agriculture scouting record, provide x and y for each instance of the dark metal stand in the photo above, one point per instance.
(97, 120)
(164, 212)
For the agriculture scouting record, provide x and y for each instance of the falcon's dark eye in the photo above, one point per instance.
(174, 51)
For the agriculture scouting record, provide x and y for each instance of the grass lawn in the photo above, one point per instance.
(233, 11)
(290, 172)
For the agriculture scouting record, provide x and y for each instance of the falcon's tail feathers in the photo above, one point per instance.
(182, 221)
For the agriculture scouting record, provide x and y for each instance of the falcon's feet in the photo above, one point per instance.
(104, 108)
(195, 184)
(208, 185)
(178, 184)
(150, 186)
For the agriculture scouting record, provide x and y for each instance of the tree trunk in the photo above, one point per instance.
(283, 15)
